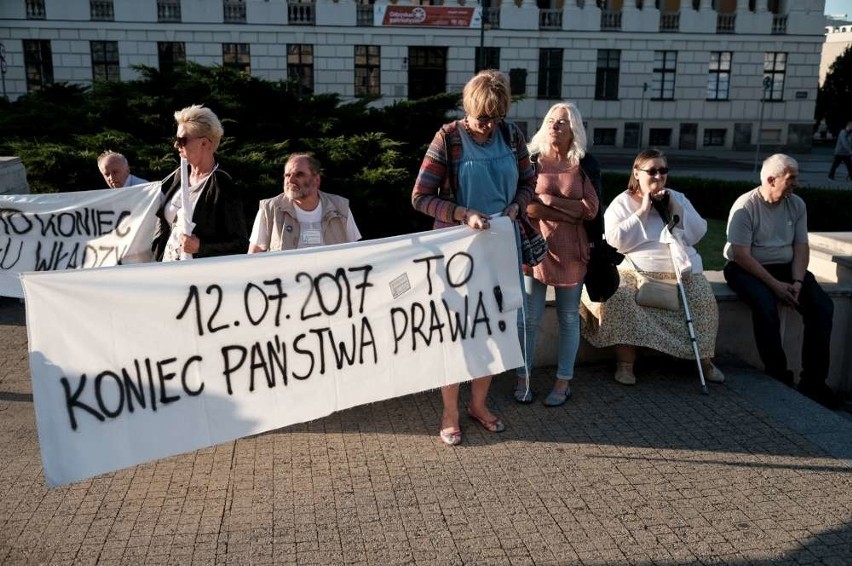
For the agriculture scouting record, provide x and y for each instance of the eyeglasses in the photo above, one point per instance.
(560, 122)
(654, 170)
(489, 119)
(181, 141)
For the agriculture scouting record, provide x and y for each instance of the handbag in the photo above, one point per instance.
(656, 293)
(533, 245)
(602, 278)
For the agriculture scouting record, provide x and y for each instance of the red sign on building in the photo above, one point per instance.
(429, 16)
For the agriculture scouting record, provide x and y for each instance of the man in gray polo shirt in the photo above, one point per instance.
(767, 252)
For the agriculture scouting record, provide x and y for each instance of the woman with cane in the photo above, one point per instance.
(636, 229)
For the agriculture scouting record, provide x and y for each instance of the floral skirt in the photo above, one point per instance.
(620, 320)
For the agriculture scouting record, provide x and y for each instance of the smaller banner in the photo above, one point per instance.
(58, 231)
(147, 361)
(427, 16)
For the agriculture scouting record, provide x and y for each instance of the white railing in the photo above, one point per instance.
(491, 18)
(670, 21)
(610, 20)
(364, 14)
(168, 10)
(550, 19)
(35, 10)
(235, 11)
(301, 13)
(725, 23)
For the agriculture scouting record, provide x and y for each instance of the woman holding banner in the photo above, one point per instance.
(475, 168)
(202, 217)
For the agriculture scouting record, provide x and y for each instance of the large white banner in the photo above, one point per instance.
(141, 362)
(49, 232)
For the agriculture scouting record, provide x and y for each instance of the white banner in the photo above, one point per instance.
(50, 232)
(142, 362)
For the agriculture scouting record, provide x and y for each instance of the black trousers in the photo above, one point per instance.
(815, 306)
(838, 159)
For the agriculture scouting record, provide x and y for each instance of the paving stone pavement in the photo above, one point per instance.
(654, 474)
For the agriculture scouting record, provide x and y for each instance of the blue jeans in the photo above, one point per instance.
(568, 315)
(817, 311)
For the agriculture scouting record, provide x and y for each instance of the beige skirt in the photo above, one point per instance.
(620, 320)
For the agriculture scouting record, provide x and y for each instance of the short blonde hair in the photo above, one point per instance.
(201, 122)
(488, 93)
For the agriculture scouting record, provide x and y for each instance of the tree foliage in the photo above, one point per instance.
(370, 155)
(834, 99)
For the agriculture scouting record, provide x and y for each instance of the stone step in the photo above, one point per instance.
(826, 263)
(838, 243)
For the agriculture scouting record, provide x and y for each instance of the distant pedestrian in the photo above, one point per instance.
(843, 152)
(116, 170)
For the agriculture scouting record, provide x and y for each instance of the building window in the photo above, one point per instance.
(105, 61)
(774, 69)
(660, 137)
(549, 73)
(719, 75)
(606, 79)
(368, 70)
(300, 66)
(518, 81)
(168, 11)
(38, 62)
(170, 54)
(665, 67)
(715, 137)
(487, 58)
(101, 10)
(364, 12)
(234, 11)
(427, 71)
(237, 56)
(35, 10)
(604, 136)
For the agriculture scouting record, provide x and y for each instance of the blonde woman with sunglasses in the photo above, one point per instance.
(634, 223)
(220, 224)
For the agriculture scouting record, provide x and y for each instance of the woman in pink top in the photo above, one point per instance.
(564, 199)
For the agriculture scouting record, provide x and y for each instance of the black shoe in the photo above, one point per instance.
(822, 394)
(785, 377)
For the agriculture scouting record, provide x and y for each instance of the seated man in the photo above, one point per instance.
(116, 171)
(302, 216)
(767, 253)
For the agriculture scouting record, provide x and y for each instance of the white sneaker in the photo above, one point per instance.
(715, 375)
(625, 376)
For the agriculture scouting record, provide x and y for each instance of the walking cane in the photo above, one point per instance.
(689, 324)
(670, 224)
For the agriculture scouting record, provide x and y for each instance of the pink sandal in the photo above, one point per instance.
(450, 436)
(494, 425)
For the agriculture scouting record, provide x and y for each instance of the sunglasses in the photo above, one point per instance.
(181, 141)
(487, 119)
(654, 170)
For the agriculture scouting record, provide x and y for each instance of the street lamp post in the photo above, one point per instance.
(3, 67)
(482, 58)
(642, 122)
(767, 82)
